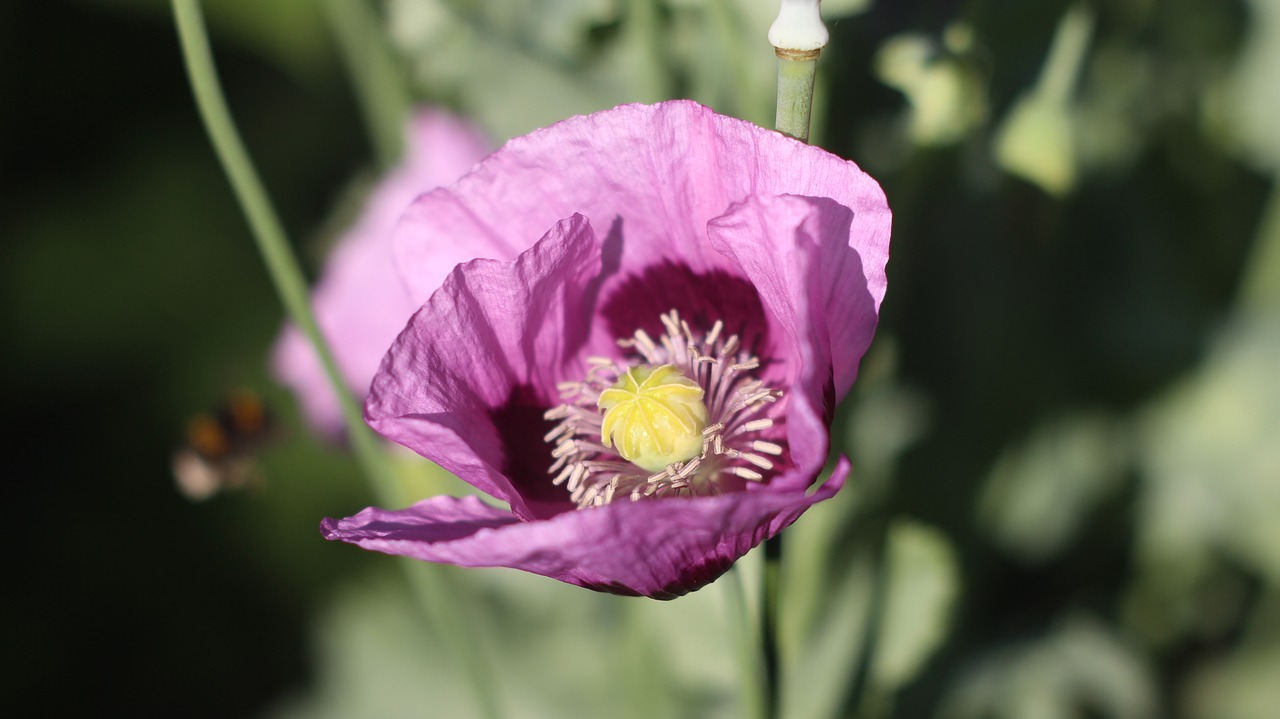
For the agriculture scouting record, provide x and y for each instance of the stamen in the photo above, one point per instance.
(672, 323)
(730, 345)
(588, 446)
(564, 474)
(767, 447)
(646, 346)
(714, 334)
(688, 334)
(601, 455)
(575, 478)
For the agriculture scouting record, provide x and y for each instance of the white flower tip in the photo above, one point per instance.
(799, 26)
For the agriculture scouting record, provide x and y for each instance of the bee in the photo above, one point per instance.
(219, 448)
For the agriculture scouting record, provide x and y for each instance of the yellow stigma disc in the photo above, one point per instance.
(654, 416)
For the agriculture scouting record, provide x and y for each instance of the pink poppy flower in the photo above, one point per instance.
(645, 369)
(359, 302)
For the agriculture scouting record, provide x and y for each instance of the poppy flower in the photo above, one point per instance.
(644, 365)
(359, 302)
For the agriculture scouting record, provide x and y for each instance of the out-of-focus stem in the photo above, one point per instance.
(798, 36)
(750, 666)
(748, 100)
(433, 589)
(450, 618)
(375, 76)
(769, 626)
(1260, 287)
(267, 230)
(864, 698)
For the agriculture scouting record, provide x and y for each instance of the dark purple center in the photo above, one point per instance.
(639, 301)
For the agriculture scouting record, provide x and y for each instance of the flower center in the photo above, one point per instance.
(684, 417)
(654, 415)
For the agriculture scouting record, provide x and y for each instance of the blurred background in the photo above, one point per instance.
(1066, 437)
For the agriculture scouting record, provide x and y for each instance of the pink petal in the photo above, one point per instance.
(819, 269)
(467, 381)
(660, 548)
(695, 211)
(648, 177)
(359, 301)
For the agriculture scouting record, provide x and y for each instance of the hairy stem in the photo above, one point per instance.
(796, 73)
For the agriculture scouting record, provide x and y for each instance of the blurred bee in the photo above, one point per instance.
(218, 454)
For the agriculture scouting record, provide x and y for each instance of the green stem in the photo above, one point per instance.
(863, 697)
(1260, 286)
(435, 592)
(375, 75)
(748, 99)
(267, 230)
(644, 681)
(796, 73)
(745, 633)
(769, 626)
(450, 617)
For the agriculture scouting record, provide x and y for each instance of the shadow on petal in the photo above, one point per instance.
(521, 427)
(638, 301)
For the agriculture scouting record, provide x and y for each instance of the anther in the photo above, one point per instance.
(714, 334)
(767, 447)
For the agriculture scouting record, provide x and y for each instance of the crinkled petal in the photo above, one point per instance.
(660, 548)
(685, 202)
(359, 301)
(467, 381)
(818, 267)
(648, 177)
